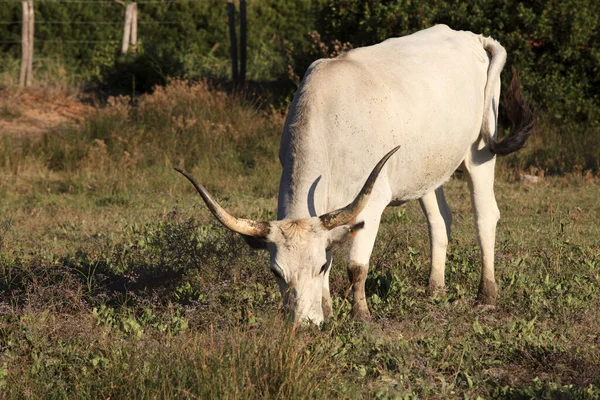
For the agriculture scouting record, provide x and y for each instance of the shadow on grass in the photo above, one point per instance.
(178, 259)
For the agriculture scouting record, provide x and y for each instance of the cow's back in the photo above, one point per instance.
(424, 92)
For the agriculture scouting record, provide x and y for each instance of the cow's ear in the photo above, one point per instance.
(343, 233)
(255, 242)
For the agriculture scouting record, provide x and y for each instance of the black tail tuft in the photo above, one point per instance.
(520, 116)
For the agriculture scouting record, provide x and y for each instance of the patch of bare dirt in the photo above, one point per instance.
(32, 112)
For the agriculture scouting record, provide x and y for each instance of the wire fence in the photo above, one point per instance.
(92, 23)
(117, 2)
(102, 33)
(62, 41)
(70, 22)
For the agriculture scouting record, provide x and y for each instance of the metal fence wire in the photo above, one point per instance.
(99, 22)
(25, 28)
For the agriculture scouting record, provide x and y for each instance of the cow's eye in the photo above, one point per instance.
(277, 274)
(323, 268)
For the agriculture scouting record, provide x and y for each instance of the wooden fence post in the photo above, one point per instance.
(130, 29)
(24, 43)
(30, 31)
(27, 29)
(134, 19)
(243, 45)
(232, 41)
(127, 28)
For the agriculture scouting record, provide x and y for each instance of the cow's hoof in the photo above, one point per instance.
(361, 314)
(436, 291)
(327, 307)
(488, 293)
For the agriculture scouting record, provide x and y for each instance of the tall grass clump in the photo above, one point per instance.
(54, 73)
(107, 354)
(223, 139)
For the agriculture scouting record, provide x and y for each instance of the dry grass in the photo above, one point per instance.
(104, 355)
(37, 110)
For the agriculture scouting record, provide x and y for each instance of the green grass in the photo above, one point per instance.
(116, 282)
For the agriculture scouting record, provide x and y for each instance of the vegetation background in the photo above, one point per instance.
(554, 44)
(116, 282)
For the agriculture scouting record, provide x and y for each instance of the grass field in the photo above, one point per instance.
(115, 282)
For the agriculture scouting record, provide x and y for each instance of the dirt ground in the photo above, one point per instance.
(34, 111)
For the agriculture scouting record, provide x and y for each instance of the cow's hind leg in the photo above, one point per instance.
(439, 220)
(480, 173)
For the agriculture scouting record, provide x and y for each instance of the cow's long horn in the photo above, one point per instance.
(240, 225)
(344, 215)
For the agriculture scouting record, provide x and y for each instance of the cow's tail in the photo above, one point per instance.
(517, 110)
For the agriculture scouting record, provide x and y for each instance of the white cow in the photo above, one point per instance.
(433, 97)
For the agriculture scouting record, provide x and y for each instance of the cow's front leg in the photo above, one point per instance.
(358, 263)
(439, 219)
(357, 273)
(326, 303)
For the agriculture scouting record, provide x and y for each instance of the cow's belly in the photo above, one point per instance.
(425, 165)
(415, 184)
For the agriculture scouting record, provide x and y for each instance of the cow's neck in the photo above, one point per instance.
(304, 181)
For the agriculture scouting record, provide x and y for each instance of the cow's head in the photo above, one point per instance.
(299, 248)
